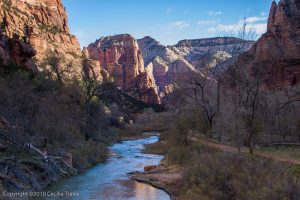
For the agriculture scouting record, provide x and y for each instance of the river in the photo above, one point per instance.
(109, 180)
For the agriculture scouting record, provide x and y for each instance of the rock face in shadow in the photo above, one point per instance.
(121, 57)
(144, 89)
(276, 55)
(16, 52)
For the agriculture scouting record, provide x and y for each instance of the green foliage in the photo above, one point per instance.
(51, 29)
(7, 4)
(73, 54)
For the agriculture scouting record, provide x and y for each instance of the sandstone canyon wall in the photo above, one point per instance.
(121, 57)
(172, 63)
(43, 24)
(276, 55)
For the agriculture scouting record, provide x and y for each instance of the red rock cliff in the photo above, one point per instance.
(121, 57)
(277, 52)
(144, 89)
(43, 23)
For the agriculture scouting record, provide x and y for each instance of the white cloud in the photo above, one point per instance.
(213, 13)
(207, 22)
(255, 19)
(260, 28)
(254, 26)
(179, 25)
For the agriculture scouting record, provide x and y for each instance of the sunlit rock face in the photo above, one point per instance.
(43, 24)
(122, 58)
(276, 55)
(174, 63)
(46, 22)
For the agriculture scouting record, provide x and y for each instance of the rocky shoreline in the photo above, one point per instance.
(166, 178)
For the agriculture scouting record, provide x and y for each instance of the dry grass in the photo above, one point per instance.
(292, 152)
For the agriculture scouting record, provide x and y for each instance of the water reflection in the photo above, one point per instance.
(109, 181)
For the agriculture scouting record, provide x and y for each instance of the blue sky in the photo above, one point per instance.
(168, 21)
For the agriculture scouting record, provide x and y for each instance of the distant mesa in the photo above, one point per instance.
(174, 63)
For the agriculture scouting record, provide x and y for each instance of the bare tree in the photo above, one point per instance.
(19, 108)
(205, 86)
(90, 80)
(281, 120)
(204, 93)
(55, 66)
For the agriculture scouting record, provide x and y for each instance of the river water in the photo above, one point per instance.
(109, 180)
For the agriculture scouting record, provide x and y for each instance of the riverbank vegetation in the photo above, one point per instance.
(212, 173)
(250, 121)
(58, 117)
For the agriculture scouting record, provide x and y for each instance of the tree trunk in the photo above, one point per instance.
(251, 144)
(251, 149)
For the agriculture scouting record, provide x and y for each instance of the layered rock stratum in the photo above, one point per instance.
(172, 63)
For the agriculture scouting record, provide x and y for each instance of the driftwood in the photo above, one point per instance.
(45, 157)
(62, 160)
(36, 150)
(51, 158)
